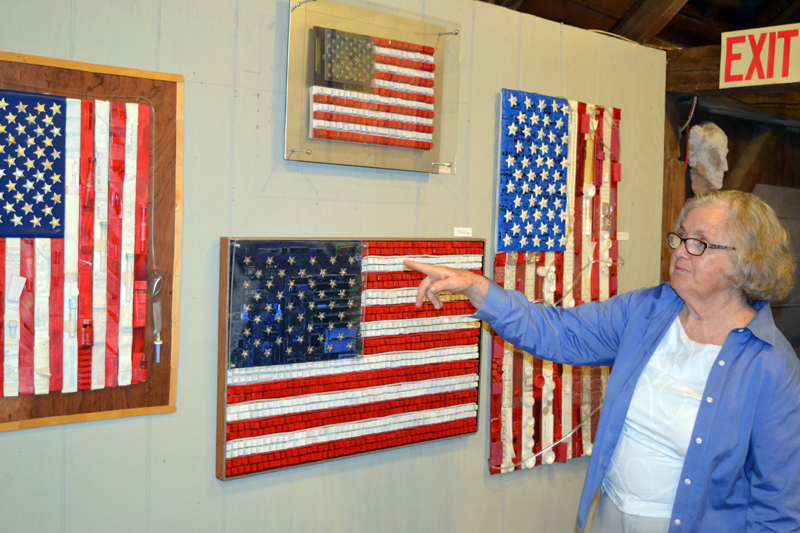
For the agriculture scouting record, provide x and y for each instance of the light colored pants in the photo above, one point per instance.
(605, 517)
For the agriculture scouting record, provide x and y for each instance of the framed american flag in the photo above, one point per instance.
(371, 88)
(323, 353)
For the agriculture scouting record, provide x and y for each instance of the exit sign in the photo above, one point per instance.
(761, 56)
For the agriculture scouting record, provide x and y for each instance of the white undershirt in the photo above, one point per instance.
(645, 469)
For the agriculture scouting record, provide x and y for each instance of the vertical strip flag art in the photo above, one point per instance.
(557, 244)
(328, 356)
(73, 215)
(372, 90)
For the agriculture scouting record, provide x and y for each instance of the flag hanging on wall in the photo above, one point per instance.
(73, 241)
(372, 90)
(327, 354)
(566, 176)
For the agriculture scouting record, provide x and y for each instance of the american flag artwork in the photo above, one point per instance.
(325, 354)
(535, 403)
(73, 242)
(372, 90)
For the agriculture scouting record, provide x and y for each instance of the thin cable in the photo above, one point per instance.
(556, 443)
(619, 262)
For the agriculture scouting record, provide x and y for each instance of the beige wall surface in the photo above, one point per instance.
(156, 473)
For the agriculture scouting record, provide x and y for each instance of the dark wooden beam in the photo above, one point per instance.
(788, 15)
(695, 71)
(647, 18)
(781, 109)
(760, 150)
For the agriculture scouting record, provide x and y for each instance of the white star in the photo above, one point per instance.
(536, 241)
(565, 109)
(517, 202)
(556, 229)
(528, 103)
(518, 146)
(517, 174)
(524, 215)
(529, 227)
(545, 148)
(539, 161)
(550, 214)
(550, 242)
(521, 117)
(507, 240)
(551, 189)
(543, 203)
(564, 163)
(508, 216)
(542, 105)
(552, 137)
(523, 241)
(525, 188)
(532, 201)
(558, 203)
(563, 216)
(537, 215)
(512, 129)
(562, 240)
(525, 162)
(531, 175)
(558, 149)
(540, 134)
(565, 138)
(17, 220)
(510, 187)
(533, 147)
(560, 123)
(510, 161)
(512, 100)
(537, 190)
(557, 175)
(515, 229)
(534, 119)
(526, 131)
(543, 228)
(546, 120)
(549, 162)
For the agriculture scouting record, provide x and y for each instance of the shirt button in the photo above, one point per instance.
(709, 399)
(687, 481)
(722, 363)
(698, 440)
(677, 521)
(741, 331)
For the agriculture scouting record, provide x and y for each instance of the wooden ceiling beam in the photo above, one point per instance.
(647, 18)
(788, 15)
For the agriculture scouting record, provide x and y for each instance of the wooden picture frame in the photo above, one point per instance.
(164, 92)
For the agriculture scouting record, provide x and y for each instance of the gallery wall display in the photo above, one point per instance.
(323, 353)
(371, 88)
(89, 240)
(557, 244)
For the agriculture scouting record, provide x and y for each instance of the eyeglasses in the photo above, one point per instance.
(693, 246)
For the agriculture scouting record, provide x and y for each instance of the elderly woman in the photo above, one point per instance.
(700, 430)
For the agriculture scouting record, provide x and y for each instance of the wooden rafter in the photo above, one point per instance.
(647, 18)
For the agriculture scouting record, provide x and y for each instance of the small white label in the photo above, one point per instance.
(462, 232)
(623, 236)
(443, 169)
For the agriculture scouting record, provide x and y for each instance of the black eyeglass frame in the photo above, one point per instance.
(705, 244)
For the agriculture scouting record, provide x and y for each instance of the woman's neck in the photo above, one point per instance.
(710, 320)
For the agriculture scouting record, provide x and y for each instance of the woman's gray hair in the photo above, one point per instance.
(764, 269)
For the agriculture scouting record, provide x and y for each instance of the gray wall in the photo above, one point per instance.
(157, 473)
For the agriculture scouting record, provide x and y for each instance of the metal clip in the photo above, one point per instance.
(292, 150)
(454, 32)
(298, 4)
(448, 165)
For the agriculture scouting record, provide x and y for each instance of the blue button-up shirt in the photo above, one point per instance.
(742, 468)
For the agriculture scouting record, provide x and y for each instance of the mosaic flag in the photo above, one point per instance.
(536, 403)
(328, 355)
(372, 90)
(534, 140)
(73, 242)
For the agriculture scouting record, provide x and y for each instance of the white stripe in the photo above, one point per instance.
(376, 263)
(605, 200)
(371, 98)
(507, 435)
(284, 441)
(127, 248)
(403, 54)
(566, 405)
(409, 326)
(242, 376)
(314, 402)
(586, 409)
(41, 314)
(100, 261)
(404, 87)
(528, 420)
(12, 327)
(361, 129)
(404, 71)
(402, 295)
(369, 113)
(71, 228)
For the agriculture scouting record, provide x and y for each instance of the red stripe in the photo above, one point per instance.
(116, 175)
(372, 106)
(401, 78)
(340, 415)
(518, 377)
(365, 121)
(352, 380)
(317, 452)
(139, 363)
(420, 341)
(402, 45)
(56, 314)
(422, 248)
(397, 280)
(409, 311)
(403, 95)
(2, 311)
(86, 237)
(27, 269)
(333, 135)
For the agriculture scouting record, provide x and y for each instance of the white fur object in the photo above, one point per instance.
(708, 152)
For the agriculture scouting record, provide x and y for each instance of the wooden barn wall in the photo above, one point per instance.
(156, 473)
